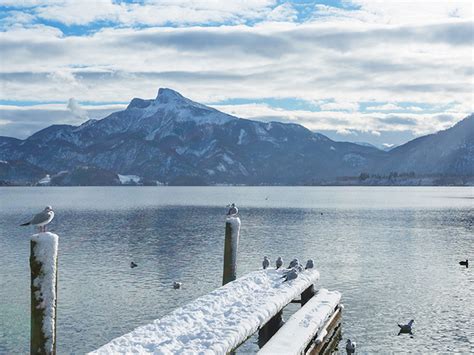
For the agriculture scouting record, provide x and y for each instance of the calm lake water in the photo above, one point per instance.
(393, 252)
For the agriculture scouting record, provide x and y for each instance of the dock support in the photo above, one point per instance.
(269, 329)
(307, 294)
(44, 276)
(232, 235)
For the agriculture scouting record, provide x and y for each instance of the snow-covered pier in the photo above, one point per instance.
(217, 323)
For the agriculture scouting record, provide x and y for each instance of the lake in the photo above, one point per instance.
(393, 252)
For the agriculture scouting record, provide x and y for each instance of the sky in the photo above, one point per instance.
(375, 71)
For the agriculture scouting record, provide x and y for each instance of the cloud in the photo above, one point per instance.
(76, 109)
(157, 12)
(403, 59)
(345, 132)
(23, 121)
(344, 106)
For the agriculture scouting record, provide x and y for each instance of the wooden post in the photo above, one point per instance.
(307, 294)
(232, 235)
(269, 329)
(44, 277)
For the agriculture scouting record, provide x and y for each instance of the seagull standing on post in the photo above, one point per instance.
(41, 219)
(232, 210)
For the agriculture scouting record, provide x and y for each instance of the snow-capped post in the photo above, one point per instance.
(232, 235)
(44, 276)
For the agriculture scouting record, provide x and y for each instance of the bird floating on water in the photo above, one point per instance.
(177, 285)
(464, 263)
(309, 264)
(233, 210)
(279, 262)
(133, 265)
(41, 219)
(350, 346)
(265, 262)
(406, 328)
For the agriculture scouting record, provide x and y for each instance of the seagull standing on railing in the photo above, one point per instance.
(279, 262)
(41, 219)
(233, 210)
(293, 263)
(350, 346)
(290, 275)
(265, 262)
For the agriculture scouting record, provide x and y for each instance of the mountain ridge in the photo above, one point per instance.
(172, 138)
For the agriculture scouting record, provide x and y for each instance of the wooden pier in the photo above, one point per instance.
(222, 320)
(216, 323)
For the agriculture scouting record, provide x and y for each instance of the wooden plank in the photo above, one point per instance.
(217, 322)
(326, 335)
(298, 332)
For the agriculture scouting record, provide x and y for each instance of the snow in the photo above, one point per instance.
(127, 179)
(300, 328)
(228, 159)
(183, 109)
(45, 181)
(46, 253)
(219, 321)
(221, 167)
(242, 134)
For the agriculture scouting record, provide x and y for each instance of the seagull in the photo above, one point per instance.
(265, 262)
(290, 275)
(464, 263)
(177, 285)
(232, 210)
(132, 265)
(309, 264)
(41, 219)
(350, 346)
(406, 328)
(279, 262)
(293, 263)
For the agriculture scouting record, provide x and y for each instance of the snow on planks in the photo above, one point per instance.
(302, 326)
(219, 321)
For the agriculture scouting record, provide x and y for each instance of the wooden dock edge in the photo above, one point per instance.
(331, 339)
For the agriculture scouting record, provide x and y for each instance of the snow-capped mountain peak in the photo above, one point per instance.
(166, 95)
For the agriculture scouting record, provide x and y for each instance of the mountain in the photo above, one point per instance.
(19, 172)
(177, 141)
(446, 152)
